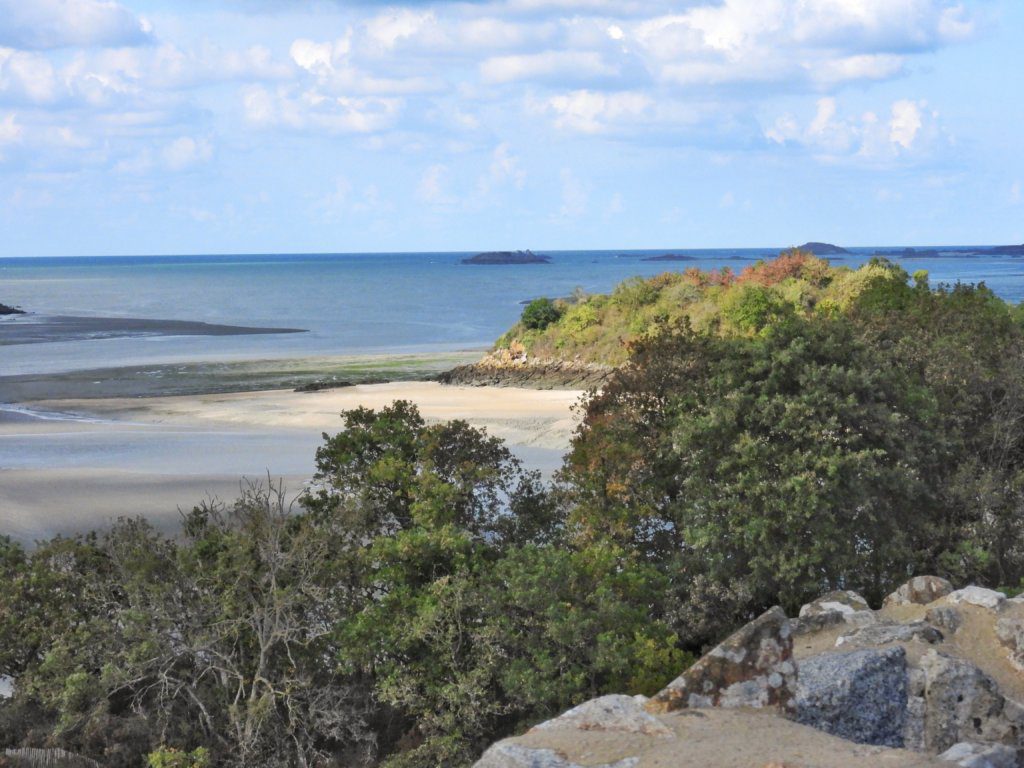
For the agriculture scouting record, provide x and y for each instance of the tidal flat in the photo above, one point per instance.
(206, 377)
(73, 465)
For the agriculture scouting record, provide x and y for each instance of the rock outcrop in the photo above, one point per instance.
(508, 257)
(624, 714)
(860, 696)
(512, 367)
(933, 678)
(822, 249)
(842, 607)
(751, 668)
(920, 590)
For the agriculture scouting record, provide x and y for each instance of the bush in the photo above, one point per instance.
(539, 314)
(751, 308)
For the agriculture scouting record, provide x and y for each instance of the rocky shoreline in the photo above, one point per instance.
(512, 367)
(935, 677)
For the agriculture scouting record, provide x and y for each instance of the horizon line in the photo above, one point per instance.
(959, 246)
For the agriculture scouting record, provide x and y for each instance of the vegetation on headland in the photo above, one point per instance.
(602, 328)
(6, 310)
(790, 430)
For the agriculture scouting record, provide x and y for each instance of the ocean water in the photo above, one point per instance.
(350, 303)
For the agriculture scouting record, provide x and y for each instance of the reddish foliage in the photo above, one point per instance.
(792, 263)
(701, 279)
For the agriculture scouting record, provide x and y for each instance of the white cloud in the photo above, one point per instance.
(27, 76)
(185, 152)
(43, 24)
(1015, 192)
(831, 136)
(906, 122)
(319, 58)
(389, 29)
(595, 112)
(875, 66)
(505, 168)
(420, 78)
(432, 188)
(569, 66)
(10, 131)
(574, 195)
(821, 42)
(313, 110)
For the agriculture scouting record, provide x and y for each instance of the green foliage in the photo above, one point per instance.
(767, 458)
(753, 308)
(539, 314)
(422, 603)
(845, 448)
(168, 757)
(602, 329)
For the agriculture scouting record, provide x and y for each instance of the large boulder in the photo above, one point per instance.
(840, 607)
(945, 617)
(920, 590)
(751, 668)
(618, 713)
(962, 703)
(1010, 632)
(984, 598)
(968, 755)
(889, 633)
(860, 696)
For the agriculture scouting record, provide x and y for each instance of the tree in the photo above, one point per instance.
(776, 467)
(539, 314)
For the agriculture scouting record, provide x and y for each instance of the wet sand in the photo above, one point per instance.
(93, 460)
(37, 329)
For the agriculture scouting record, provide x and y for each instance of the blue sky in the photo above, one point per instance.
(197, 126)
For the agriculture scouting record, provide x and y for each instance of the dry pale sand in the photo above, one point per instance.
(531, 417)
(152, 456)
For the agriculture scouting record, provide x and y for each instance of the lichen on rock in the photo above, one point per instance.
(751, 668)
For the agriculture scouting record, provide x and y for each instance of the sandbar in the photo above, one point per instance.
(93, 460)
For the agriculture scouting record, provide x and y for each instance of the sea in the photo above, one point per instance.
(353, 304)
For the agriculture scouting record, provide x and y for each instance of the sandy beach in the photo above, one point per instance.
(93, 460)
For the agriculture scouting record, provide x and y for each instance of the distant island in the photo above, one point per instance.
(822, 249)
(670, 257)
(910, 253)
(508, 257)
(1004, 250)
(5, 310)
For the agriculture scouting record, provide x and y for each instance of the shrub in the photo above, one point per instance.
(539, 314)
(752, 308)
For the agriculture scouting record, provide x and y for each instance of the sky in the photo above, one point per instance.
(282, 126)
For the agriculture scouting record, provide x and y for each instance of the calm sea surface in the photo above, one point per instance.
(350, 303)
